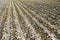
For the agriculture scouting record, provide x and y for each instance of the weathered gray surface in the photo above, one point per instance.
(29, 20)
